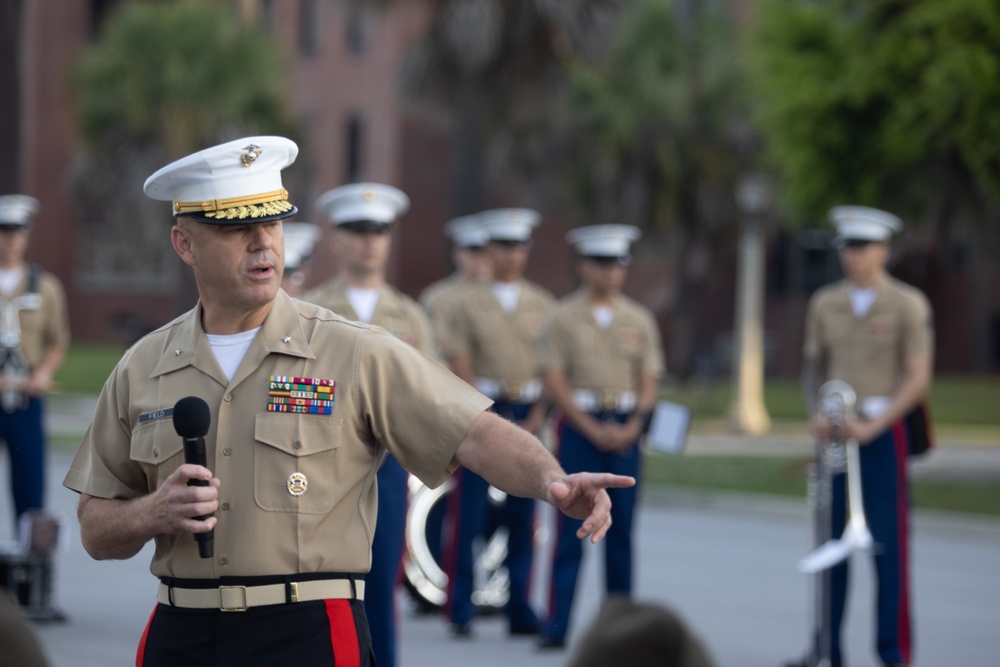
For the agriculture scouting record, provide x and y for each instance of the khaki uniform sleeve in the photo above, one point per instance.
(457, 341)
(102, 466)
(918, 329)
(553, 347)
(652, 357)
(56, 314)
(415, 407)
(811, 347)
(425, 336)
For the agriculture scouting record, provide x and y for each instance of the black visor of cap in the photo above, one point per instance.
(512, 243)
(606, 260)
(365, 226)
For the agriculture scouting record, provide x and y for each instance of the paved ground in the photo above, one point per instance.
(725, 562)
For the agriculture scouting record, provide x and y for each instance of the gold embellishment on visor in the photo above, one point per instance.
(249, 206)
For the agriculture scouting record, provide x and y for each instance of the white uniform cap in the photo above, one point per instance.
(233, 183)
(17, 210)
(467, 231)
(603, 240)
(300, 237)
(862, 223)
(363, 205)
(510, 224)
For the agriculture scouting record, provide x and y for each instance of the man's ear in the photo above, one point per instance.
(183, 243)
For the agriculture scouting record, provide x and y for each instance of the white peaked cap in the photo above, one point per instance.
(467, 231)
(17, 209)
(233, 183)
(604, 240)
(363, 202)
(300, 237)
(510, 224)
(863, 223)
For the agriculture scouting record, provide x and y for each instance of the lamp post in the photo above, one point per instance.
(747, 413)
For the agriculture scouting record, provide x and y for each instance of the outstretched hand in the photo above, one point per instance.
(583, 496)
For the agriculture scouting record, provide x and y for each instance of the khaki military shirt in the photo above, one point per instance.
(502, 346)
(614, 359)
(870, 352)
(44, 321)
(395, 312)
(438, 299)
(385, 396)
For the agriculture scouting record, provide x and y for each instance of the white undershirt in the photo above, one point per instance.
(862, 299)
(508, 294)
(10, 279)
(603, 315)
(363, 300)
(229, 350)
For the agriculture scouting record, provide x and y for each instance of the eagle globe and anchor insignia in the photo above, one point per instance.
(297, 484)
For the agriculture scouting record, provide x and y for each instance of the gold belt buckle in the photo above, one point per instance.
(609, 402)
(232, 598)
(513, 393)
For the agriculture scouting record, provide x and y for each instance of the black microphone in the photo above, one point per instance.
(191, 421)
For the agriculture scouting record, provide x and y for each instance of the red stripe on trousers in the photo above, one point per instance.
(140, 654)
(343, 633)
(902, 444)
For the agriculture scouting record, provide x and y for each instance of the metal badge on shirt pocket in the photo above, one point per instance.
(312, 396)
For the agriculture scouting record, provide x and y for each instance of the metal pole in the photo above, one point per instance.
(747, 412)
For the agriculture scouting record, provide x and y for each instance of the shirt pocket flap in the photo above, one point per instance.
(155, 443)
(298, 435)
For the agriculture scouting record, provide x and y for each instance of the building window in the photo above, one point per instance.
(309, 28)
(357, 26)
(352, 164)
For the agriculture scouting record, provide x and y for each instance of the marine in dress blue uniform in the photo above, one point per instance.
(362, 216)
(876, 334)
(495, 327)
(34, 335)
(602, 357)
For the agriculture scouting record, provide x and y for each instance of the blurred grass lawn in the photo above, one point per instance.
(966, 405)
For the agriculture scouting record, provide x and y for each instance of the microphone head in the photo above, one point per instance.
(192, 417)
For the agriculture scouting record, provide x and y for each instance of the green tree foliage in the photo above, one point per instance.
(181, 74)
(885, 102)
(163, 79)
(654, 122)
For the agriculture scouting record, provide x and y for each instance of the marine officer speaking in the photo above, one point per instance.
(876, 334)
(34, 335)
(291, 490)
(362, 216)
(495, 330)
(602, 357)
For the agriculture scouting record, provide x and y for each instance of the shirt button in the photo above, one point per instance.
(227, 398)
(227, 451)
(297, 444)
(225, 507)
(223, 561)
(156, 453)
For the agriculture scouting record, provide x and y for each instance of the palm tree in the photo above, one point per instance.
(484, 62)
(652, 135)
